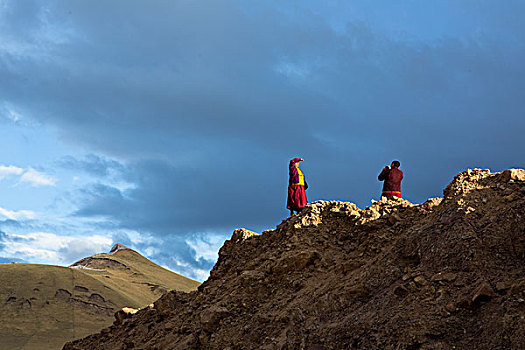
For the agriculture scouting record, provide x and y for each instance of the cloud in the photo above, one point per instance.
(9, 170)
(79, 247)
(46, 247)
(36, 178)
(29, 175)
(101, 200)
(92, 164)
(160, 186)
(179, 254)
(190, 127)
(17, 214)
(7, 260)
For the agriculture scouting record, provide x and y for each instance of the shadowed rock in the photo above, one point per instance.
(394, 275)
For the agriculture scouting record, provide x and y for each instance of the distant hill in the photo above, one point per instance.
(445, 274)
(43, 306)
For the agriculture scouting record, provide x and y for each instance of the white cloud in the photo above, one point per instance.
(36, 178)
(14, 116)
(9, 170)
(207, 248)
(195, 273)
(200, 274)
(81, 247)
(29, 175)
(51, 248)
(151, 251)
(17, 214)
(29, 253)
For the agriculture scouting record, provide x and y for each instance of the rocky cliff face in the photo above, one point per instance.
(448, 273)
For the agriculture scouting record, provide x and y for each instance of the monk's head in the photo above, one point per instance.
(396, 164)
(296, 161)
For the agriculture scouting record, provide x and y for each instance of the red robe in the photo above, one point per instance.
(392, 182)
(296, 190)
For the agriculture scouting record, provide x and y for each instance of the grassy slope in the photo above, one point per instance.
(146, 277)
(44, 306)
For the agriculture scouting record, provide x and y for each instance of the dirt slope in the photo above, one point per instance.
(449, 273)
(44, 306)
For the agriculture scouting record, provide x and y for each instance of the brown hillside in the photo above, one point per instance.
(134, 276)
(445, 274)
(44, 306)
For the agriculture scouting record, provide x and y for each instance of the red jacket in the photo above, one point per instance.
(392, 178)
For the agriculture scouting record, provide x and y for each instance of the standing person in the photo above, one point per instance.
(296, 187)
(392, 176)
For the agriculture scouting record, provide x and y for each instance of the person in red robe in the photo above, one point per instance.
(296, 187)
(392, 176)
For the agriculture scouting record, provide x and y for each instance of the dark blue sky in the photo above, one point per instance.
(164, 125)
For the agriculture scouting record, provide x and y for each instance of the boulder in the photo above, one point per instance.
(242, 234)
(513, 174)
(124, 313)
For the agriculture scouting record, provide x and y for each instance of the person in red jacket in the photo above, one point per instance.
(296, 187)
(392, 176)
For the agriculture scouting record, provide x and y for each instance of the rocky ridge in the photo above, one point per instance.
(448, 273)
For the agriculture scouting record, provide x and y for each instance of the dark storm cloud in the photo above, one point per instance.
(102, 200)
(168, 199)
(207, 101)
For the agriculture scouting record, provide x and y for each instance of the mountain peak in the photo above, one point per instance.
(117, 247)
(53, 302)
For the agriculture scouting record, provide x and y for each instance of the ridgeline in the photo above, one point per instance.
(448, 273)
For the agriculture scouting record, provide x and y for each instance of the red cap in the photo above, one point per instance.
(296, 160)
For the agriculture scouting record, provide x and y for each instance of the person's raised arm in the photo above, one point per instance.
(383, 174)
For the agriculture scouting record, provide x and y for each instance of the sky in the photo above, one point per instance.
(164, 125)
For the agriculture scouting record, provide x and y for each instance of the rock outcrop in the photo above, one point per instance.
(117, 247)
(448, 273)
